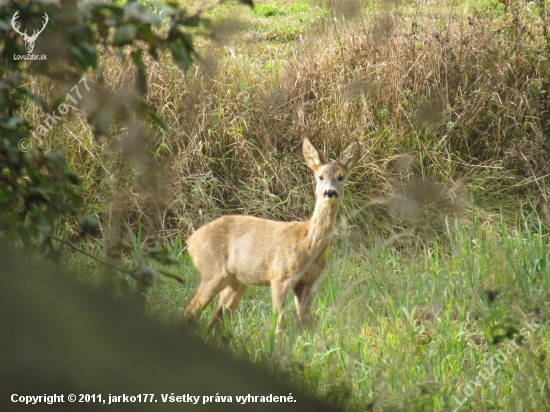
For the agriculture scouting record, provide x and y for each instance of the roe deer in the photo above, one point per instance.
(234, 252)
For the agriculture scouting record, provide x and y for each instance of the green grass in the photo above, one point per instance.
(405, 330)
(278, 22)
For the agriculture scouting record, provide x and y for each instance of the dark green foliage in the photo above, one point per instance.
(38, 188)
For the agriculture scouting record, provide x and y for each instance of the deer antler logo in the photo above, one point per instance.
(29, 40)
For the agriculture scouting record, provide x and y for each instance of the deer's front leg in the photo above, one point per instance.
(279, 290)
(302, 299)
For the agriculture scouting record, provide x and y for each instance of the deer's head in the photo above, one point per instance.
(29, 40)
(330, 177)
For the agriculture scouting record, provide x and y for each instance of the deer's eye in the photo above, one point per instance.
(340, 178)
(321, 177)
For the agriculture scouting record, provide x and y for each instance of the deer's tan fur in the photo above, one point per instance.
(234, 252)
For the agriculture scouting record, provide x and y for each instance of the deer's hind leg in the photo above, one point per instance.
(207, 291)
(229, 301)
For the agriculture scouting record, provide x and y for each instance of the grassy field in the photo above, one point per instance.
(436, 292)
(462, 321)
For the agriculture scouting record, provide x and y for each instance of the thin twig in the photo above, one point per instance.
(129, 272)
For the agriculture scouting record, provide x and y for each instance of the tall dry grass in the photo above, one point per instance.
(454, 94)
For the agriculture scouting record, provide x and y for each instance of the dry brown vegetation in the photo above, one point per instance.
(453, 94)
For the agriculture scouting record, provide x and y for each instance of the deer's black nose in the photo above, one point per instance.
(331, 194)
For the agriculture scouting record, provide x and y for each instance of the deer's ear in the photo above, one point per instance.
(314, 158)
(350, 156)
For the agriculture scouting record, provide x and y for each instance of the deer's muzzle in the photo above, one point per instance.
(331, 194)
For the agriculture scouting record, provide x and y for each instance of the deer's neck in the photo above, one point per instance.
(321, 224)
